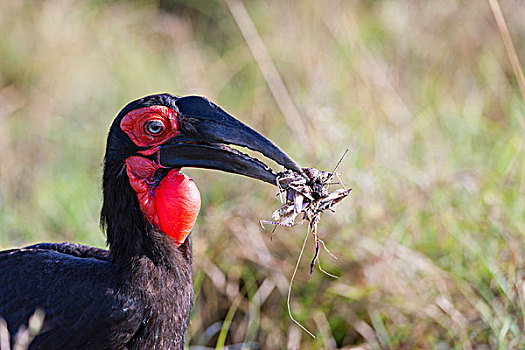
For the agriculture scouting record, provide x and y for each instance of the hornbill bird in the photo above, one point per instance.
(137, 294)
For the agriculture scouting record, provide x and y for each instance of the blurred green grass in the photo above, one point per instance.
(430, 242)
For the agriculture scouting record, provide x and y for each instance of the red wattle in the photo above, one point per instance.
(177, 203)
(173, 205)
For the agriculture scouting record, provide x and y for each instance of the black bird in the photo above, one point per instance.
(137, 294)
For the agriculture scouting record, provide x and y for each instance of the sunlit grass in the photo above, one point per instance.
(429, 242)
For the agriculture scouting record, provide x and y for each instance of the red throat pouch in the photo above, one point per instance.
(177, 203)
(173, 205)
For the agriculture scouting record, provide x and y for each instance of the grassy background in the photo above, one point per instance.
(430, 242)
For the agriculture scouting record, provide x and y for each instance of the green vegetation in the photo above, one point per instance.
(431, 240)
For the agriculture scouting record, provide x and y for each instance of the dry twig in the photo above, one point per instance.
(509, 46)
(268, 70)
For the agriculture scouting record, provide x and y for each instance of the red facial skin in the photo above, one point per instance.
(173, 204)
(134, 122)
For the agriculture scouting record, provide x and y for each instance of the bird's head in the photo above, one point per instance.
(152, 138)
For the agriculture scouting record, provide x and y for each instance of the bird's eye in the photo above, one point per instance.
(154, 127)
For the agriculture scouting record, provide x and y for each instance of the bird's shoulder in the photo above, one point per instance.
(86, 304)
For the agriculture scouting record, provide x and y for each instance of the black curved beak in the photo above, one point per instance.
(206, 130)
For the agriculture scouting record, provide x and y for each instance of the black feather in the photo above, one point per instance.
(136, 295)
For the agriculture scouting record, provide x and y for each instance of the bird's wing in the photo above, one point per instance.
(82, 298)
(73, 249)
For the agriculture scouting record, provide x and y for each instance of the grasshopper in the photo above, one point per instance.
(307, 195)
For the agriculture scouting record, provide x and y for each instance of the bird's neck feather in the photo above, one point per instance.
(167, 295)
(150, 261)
